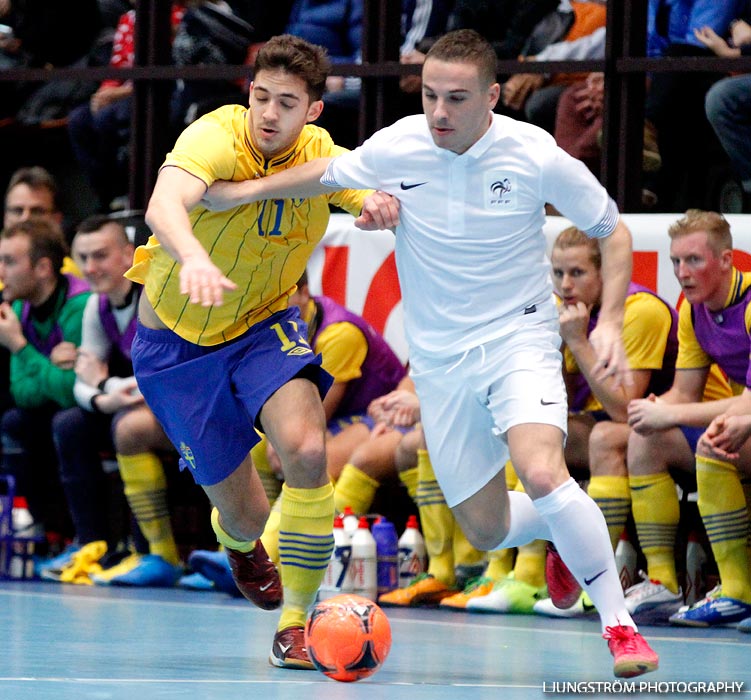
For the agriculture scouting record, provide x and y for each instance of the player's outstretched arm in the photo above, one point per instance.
(176, 192)
(298, 182)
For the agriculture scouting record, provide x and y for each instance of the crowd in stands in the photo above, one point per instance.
(70, 403)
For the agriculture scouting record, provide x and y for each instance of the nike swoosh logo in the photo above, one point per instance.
(409, 187)
(641, 488)
(266, 587)
(590, 581)
(284, 647)
(548, 403)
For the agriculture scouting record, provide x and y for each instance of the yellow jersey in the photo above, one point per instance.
(262, 247)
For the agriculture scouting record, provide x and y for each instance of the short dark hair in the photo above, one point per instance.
(97, 222)
(296, 56)
(46, 240)
(37, 178)
(467, 46)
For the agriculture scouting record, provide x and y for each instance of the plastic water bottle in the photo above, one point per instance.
(20, 515)
(411, 553)
(338, 577)
(351, 521)
(387, 553)
(363, 563)
(625, 561)
(696, 558)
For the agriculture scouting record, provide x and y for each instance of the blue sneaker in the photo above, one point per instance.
(215, 567)
(715, 610)
(196, 582)
(50, 569)
(140, 570)
(745, 626)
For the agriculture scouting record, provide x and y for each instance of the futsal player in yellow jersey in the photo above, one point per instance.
(218, 352)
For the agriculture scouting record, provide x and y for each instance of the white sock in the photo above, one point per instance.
(525, 522)
(581, 538)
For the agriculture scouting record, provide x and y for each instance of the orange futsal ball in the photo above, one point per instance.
(348, 637)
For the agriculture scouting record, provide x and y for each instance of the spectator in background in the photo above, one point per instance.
(420, 19)
(40, 325)
(44, 34)
(728, 102)
(506, 24)
(536, 94)
(675, 100)
(100, 130)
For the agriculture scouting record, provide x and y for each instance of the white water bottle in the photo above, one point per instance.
(626, 561)
(412, 560)
(338, 577)
(696, 558)
(363, 563)
(351, 521)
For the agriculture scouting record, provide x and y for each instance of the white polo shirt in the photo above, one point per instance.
(470, 251)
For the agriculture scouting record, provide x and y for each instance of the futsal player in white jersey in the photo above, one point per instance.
(479, 313)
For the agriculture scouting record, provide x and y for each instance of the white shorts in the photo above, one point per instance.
(468, 402)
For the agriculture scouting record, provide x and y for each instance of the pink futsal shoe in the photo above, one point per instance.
(564, 590)
(256, 576)
(631, 653)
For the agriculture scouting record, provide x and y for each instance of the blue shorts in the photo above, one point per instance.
(208, 398)
(692, 435)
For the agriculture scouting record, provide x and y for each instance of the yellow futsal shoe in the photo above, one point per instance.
(84, 564)
(424, 590)
(476, 587)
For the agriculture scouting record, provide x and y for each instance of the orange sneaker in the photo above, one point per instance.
(424, 590)
(633, 656)
(564, 590)
(475, 588)
(288, 650)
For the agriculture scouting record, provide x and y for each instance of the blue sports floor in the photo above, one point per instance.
(64, 642)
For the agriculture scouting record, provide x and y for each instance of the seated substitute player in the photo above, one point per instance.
(40, 325)
(473, 186)
(111, 416)
(714, 327)
(218, 352)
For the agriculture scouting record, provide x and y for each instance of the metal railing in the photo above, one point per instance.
(624, 66)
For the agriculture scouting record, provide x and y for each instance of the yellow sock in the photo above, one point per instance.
(723, 510)
(437, 522)
(354, 488)
(225, 539)
(654, 504)
(746, 483)
(270, 536)
(306, 541)
(464, 553)
(500, 563)
(530, 564)
(271, 485)
(145, 488)
(409, 477)
(613, 496)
